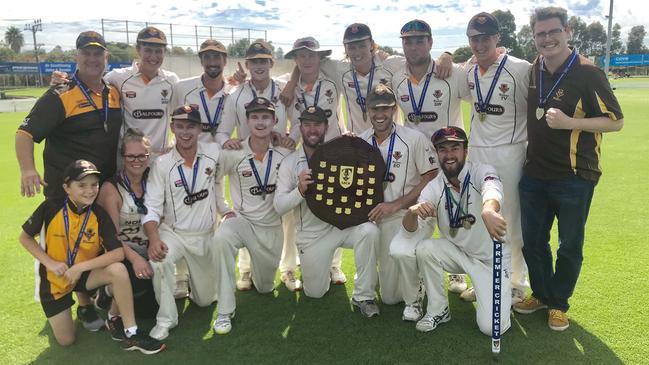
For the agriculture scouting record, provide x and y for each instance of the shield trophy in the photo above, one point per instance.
(348, 181)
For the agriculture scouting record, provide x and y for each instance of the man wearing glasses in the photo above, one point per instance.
(570, 105)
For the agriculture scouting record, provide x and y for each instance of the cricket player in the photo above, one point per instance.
(315, 239)
(256, 225)
(465, 203)
(181, 203)
(208, 91)
(410, 165)
(498, 85)
(259, 62)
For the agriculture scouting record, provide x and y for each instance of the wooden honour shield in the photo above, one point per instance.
(348, 181)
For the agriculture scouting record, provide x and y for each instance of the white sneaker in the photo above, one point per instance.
(337, 276)
(412, 312)
(468, 295)
(245, 281)
(518, 295)
(159, 332)
(429, 322)
(456, 283)
(182, 289)
(223, 323)
(292, 284)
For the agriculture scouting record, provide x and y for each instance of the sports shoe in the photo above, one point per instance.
(103, 299)
(223, 323)
(518, 295)
(468, 295)
(337, 276)
(368, 308)
(159, 332)
(558, 319)
(429, 322)
(412, 312)
(89, 318)
(292, 284)
(456, 283)
(182, 289)
(143, 343)
(116, 328)
(529, 305)
(245, 281)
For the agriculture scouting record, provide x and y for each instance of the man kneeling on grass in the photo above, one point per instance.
(76, 231)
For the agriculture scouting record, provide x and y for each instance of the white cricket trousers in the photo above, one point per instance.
(508, 161)
(288, 261)
(434, 256)
(265, 247)
(398, 274)
(316, 249)
(196, 249)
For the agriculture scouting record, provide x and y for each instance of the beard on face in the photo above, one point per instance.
(453, 172)
(313, 145)
(213, 73)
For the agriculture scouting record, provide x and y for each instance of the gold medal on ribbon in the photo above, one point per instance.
(452, 232)
(539, 113)
(483, 116)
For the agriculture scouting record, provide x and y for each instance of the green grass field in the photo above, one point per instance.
(609, 316)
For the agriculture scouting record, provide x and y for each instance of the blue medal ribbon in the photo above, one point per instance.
(72, 255)
(359, 96)
(454, 216)
(139, 203)
(544, 99)
(483, 104)
(315, 98)
(217, 114)
(269, 164)
(388, 162)
(184, 180)
(104, 99)
(419, 106)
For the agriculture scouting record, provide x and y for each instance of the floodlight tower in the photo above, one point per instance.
(37, 26)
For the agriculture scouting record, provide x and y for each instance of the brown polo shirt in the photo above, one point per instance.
(583, 93)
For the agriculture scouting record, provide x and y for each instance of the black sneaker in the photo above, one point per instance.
(102, 300)
(143, 343)
(89, 318)
(116, 328)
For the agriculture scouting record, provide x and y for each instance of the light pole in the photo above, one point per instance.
(607, 60)
(36, 27)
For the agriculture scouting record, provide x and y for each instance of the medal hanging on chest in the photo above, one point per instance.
(262, 188)
(417, 107)
(543, 99)
(189, 199)
(360, 99)
(483, 103)
(456, 216)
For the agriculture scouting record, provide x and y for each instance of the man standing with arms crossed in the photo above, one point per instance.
(571, 104)
(315, 239)
(410, 165)
(498, 85)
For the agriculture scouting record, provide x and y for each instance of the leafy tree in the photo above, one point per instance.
(279, 53)
(14, 38)
(389, 50)
(508, 32)
(594, 42)
(526, 42)
(578, 27)
(616, 41)
(6, 54)
(238, 48)
(189, 50)
(178, 51)
(635, 43)
(462, 54)
(57, 54)
(119, 52)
